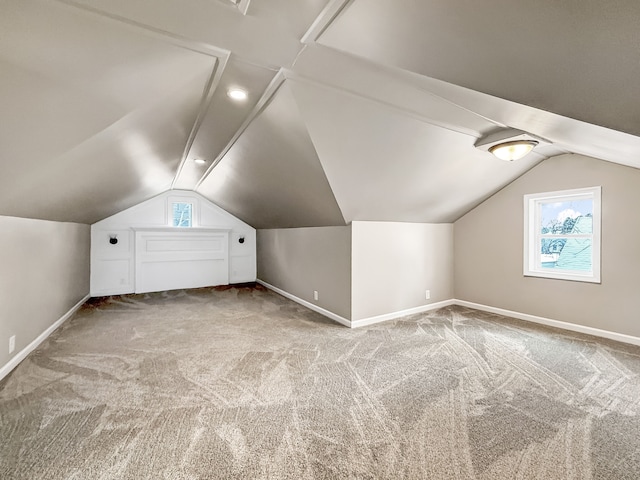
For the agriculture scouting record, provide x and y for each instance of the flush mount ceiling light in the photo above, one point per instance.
(515, 150)
(199, 161)
(510, 144)
(237, 94)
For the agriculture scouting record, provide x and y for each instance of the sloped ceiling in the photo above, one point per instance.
(291, 189)
(356, 110)
(574, 58)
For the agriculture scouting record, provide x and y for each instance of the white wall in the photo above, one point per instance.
(44, 272)
(393, 264)
(363, 270)
(301, 260)
(489, 249)
(112, 266)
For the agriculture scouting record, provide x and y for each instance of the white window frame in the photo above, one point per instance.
(533, 235)
(180, 199)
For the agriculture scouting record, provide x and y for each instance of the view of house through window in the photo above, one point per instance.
(181, 214)
(563, 235)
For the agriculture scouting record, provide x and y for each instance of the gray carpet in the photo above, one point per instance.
(242, 383)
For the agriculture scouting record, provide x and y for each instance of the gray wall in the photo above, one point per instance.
(395, 263)
(489, 249)
(301, 260)
(44, 272)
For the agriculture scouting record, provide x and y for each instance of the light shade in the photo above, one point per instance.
(509, 144)
(200, 161)
(237, 94)
(514, 150)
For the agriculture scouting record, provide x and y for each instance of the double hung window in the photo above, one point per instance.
(562, 235)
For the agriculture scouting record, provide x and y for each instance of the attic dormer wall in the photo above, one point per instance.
(399, 268)
(113, 264)
(363, 273)
(310, 265)
(489, 251)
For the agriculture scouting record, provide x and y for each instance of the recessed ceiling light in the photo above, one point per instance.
(237, 94)
(200, 161)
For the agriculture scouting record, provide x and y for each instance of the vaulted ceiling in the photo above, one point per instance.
(356, 109)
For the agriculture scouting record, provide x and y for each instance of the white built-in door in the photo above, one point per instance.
(173, 258)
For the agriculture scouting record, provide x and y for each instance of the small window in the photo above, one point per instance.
(182, 214)
(562, 235)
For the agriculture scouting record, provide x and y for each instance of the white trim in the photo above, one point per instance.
(401, 313)
(243, 6)
(177, 198)
(330, 13)
(573, 327)
(164, 35)
(532, 234)
(310, 306)
(20, 356)
(620, 337)
(357, 323)
(267, 95)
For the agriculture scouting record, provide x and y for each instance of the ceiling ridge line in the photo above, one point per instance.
(175, 39)
(243, 6)
(415, 79)
(324, 20)
(205, 102)
(317, 153)
(468, 110)
(294, 76)
(268, 94)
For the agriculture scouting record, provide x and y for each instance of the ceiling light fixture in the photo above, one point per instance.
(509, 144)
(515, 150)
(200, 161)
(237, 94)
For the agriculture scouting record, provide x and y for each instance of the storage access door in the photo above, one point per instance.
(173, 258)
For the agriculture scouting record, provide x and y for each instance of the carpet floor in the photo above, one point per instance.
(241, 383)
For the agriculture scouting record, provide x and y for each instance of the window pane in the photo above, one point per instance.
(573, 216)
(181, 214)
(566, 254)
(550, 249)
(562, 234)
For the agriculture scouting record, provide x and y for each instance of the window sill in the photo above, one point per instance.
(564, 276)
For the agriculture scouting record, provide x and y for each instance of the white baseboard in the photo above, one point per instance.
(402, 313)
(309, 305)
(356, 323)
(22, 354)
(620, 337)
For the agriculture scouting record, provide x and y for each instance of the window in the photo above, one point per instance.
(562, 235)
(181, 214)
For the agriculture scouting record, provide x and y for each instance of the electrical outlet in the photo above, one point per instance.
(427, 294)
(315, 295)
(12, 343)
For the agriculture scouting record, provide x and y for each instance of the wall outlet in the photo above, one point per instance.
(427, 294)
(315, 295)
(12, 343)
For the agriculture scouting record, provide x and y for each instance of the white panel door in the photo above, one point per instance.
(169, 258)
